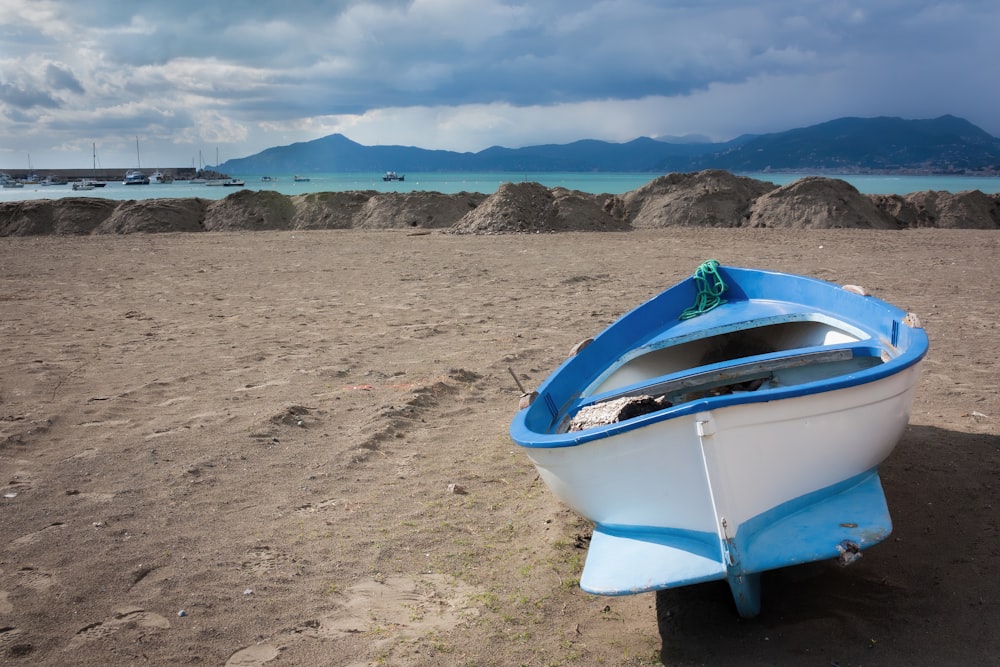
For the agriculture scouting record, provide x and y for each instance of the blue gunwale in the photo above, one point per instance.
(755, 298)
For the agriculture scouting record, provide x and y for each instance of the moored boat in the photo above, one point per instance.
(9, 183)
(135, 177)
(731, 425)
(393, 176)
(226, 182)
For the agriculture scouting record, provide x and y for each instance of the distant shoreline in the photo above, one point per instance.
(615, 183)
(109, 175)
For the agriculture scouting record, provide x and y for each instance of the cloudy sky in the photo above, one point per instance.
(185, 76)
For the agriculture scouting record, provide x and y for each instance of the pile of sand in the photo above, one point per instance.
(710, 198)
(965, 210)
(533, 208)
(818, 203)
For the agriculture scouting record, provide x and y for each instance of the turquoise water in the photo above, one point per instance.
(487, 183)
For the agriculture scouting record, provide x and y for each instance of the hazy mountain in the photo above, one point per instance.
(945, 144)
(941, 145)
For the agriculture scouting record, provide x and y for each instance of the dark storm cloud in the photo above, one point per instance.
(494, 71)
(24, 98)
(60, 78)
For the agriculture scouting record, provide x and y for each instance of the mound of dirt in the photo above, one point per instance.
(422, 209)
(70, 215)
(329, 210)
(583, 212)
(533, 208)
(250, 210)
(964, 210)
(155, 215)
(711, 198)
(818, 203)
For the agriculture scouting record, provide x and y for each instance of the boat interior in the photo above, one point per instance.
(745, 357)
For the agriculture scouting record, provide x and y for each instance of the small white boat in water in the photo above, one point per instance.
(9, 183)
(739, 434)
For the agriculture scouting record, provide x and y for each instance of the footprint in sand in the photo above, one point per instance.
(18, 483)
(5, 605)
(34, 579)
(263, 559)
(330, 503)
(88, 453)
(123, 616)
(31, 538)
(190, 423)
(11, 642)
(262, 385)
(427, 604)
(252, 656)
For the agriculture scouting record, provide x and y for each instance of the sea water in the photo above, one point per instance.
(480, 182)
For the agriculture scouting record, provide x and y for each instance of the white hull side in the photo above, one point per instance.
(753, 458)
(813, 442)
(653, 476)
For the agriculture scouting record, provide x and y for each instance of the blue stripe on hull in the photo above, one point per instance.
(839, 520)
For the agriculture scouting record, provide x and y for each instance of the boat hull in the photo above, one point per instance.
(728, 485)
(709, 480)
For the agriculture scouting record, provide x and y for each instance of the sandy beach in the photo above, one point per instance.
(290, 448)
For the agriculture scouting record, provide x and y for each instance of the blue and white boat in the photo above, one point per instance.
(731, 425)
(135, 177)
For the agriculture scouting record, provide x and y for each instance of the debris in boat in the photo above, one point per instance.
(724, 390)
(617, 410)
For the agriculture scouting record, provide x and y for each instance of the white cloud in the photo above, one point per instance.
(188, 75)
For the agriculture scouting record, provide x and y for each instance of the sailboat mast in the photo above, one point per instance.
(138, 163)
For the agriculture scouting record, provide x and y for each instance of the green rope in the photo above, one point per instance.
(710, 289)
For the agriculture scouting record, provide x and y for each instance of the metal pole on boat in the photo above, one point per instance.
(526, 396)
(516, 381)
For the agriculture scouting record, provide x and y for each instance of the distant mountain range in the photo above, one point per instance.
(944, 145)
